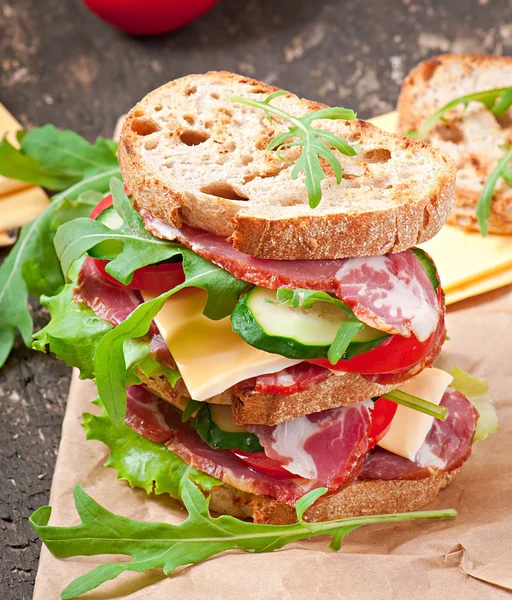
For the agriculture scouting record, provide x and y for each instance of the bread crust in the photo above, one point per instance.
(361, 498)
(396, 193)
(249, 407)
(473, 139)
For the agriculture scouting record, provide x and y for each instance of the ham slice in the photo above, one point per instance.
(158, 421)
(328, 446)
(390, 292)
(446, 447)
(297, 378)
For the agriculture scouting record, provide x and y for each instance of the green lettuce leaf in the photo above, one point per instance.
(55, 159)
(166, 546)
(141, 462)
(476, 390)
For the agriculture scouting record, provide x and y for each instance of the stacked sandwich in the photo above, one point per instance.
(260, 299)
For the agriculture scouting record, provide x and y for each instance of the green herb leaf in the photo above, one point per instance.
(424, 406)
(166, 546)
(497, 100)
(141, 462)
(345, 335)
(55, 159)
(315, 143)
(476, 390)
(302, 298)
(483, 208)
(190, 409)
(32, 265)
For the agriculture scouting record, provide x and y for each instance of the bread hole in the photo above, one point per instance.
(230, 146)
(151, 144)
(214, 95)
(429, 68)
(226, 111)
(189, 119)
(505, 121)
(144, 126)
(138, 113)
(350, 176)
(193, 138)
(208, 124)
(377, 155)
(191, 89)
(158, 107)
(449, 132)
(245, 159)
(222, 190)
(259, 89)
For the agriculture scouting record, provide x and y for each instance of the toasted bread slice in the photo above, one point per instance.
(190, 155)
(270, 409)
(473, 138)
(363, 497)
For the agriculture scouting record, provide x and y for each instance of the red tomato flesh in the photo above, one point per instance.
(150, 17)
(397, 353)
(382, 414)
(261, 463)
(153, 278)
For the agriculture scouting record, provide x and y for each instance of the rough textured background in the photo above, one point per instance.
(60, 64)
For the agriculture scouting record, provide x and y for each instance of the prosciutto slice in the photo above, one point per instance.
(328, 446)
(391, 292)
(158, 421)
(297, 378)
(446, 447)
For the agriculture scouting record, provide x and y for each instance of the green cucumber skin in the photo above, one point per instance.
(218, 439)
(249, 330)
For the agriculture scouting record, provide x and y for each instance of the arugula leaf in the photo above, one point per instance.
(141, 462)
(423, 406)
(73, 332)
(483, 207)
(166, 546)
(344, 336)
(315, 143)
(497, 100)
(476, 390)
(32, 265)
(55, 159)
(139, 249)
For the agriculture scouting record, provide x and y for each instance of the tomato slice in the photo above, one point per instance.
(153, 278)
(382, 414)
(397, 353)
(261, 463)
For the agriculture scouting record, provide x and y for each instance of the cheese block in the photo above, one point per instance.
(210, 356)
(409, 428)
(468, 263)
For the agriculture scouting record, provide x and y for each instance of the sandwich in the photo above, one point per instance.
(461, 104)
(256, 313)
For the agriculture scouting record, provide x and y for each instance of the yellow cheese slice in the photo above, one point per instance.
(409, 428)
(8, 127)
(387, 122)
(210, 356)
(463, 257)
(22, 207)
(481, 286)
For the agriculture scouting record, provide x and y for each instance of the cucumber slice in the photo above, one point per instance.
(216, 428)
(295, 332)
(108, 250)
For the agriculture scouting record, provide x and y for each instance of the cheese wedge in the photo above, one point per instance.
(409, 428)
(210, 356)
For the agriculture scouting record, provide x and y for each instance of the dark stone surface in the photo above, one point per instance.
(60, 64)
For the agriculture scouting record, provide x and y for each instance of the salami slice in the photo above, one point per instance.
(292, 380)
(391, 292)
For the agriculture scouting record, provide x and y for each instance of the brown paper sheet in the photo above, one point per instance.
(470, 557)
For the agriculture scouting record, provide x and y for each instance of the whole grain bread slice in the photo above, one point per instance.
(270, 409)
(362, 497)
(190, 155)
(474, 138)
